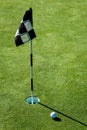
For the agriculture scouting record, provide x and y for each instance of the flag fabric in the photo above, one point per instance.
(25, 31)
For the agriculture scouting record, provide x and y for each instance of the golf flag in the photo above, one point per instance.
(25, 31)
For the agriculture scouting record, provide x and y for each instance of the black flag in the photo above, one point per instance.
(25, 32)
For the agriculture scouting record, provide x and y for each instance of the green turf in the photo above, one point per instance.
(60, 65)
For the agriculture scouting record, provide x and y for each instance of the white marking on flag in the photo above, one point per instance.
(28, 25)
(25, 37)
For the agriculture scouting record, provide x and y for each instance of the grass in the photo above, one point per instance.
(60, 65)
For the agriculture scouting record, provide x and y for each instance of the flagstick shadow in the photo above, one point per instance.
(63, 115)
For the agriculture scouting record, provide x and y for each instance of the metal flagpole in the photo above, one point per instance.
(32, 99)
(31, 67)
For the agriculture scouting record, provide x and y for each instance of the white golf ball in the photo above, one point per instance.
(53, 115)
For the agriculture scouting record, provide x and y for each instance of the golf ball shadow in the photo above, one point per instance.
(57, 119)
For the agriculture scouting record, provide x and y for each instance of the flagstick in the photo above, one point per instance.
(32, 99)
(31, 69)
(31, 65)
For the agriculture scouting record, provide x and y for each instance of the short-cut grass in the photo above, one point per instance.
(60, 65)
